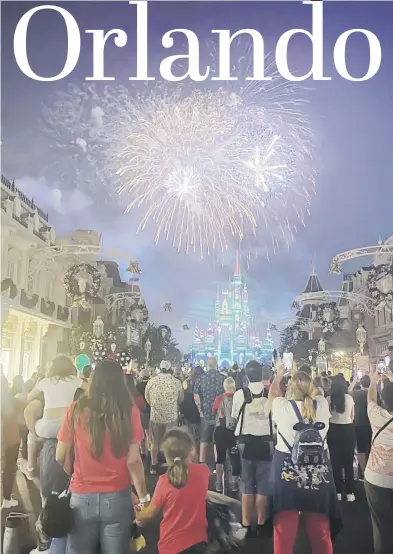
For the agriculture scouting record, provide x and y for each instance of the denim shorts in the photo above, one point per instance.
(255, 476)
(207, 430)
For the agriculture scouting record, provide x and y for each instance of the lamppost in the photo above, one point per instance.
(361, 337)
(98, 327)
(147, 350)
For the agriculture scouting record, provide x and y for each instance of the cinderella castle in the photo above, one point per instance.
(232, 337)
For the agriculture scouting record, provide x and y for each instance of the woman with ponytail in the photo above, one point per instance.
(181, 494)
(301, 476)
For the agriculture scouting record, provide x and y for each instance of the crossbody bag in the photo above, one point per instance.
(380, 430)
(255, 448)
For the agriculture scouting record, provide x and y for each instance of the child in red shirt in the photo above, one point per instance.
(181, 494)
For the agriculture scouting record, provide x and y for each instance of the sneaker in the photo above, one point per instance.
(263, 531)
(350, 498)
(219, 488)
(37, 551)
(339, 497)
(154, 470)
(8, 504)
(251, 533)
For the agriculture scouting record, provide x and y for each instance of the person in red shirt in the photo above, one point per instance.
(181, 494)
(105, 429)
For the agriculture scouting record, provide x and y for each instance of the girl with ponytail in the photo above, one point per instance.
(181, 495)
(301, 478)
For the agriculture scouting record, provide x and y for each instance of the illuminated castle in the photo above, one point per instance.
(232, 337)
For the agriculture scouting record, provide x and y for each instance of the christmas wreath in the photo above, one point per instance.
(74, 288)
(328, 316)
(380, 285)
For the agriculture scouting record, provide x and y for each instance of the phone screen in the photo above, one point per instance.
(381, 366)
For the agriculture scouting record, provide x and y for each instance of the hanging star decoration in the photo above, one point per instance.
(167, 307)
(134, 267)
(186, 327)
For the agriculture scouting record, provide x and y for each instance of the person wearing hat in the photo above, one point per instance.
(164, 393)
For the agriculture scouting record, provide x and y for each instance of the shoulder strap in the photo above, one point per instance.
(296, 410)
(381, 429)
(241, 416)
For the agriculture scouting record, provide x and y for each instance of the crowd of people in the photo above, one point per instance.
(287, 440)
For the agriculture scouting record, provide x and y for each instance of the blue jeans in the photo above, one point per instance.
(103, 519)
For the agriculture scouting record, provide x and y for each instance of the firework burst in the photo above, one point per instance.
(210, 166)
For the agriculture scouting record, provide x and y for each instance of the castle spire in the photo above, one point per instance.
(237, 266)
(313, 284)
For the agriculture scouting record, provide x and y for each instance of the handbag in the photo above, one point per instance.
(256, 448)
(57, 515)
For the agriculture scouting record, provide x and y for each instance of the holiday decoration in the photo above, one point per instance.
(27, 300)
(134, 267)
(9, 284)
(82, 281)
(165, 332)
(328, 316)
(185, 328)
(380, 285)
(123, 358)
(167, 307)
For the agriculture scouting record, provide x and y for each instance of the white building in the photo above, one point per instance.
(35, 315)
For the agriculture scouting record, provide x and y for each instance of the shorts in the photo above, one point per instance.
(159, 430)
(255, 476)
(363, 435)
(208, 427)
(224, 439)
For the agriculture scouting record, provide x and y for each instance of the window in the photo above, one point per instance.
(49, 286)
(5, 360)
(11, 270)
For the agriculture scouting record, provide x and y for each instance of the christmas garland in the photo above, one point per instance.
(27, 300)
(331, 325)
(380, 298)
(9, 284)
(71, 284)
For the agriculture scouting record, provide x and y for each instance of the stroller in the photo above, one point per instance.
(224, 530)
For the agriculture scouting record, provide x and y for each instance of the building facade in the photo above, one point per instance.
(34, 308)
(231, 337)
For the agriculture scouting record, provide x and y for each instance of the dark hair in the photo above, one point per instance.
(86, 371)
(337, 394)
(17, 385)
(387, 395)
(131, 385)
(306, 369)
(61, 368)
(365, 381)
(177, 447)
(254, 371)
(235, 367)
(107, 406)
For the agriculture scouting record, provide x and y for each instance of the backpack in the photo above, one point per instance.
(308, 447)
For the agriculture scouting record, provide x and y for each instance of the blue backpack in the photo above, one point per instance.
(308, 447)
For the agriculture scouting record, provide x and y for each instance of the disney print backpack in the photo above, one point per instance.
(308, 447)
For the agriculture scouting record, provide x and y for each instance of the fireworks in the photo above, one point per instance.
(204, 168)
(207, 167)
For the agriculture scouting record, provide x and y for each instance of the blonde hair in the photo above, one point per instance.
(302, 388)
(177, 447)
(229, 385)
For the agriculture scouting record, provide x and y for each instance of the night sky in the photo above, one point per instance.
(352, 124)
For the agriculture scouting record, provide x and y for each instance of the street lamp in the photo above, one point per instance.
(147, 350)
(361, 337)
(98, 327)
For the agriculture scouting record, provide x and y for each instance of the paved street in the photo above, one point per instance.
(355, 537)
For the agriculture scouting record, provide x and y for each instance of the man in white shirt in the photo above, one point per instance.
(252, 410)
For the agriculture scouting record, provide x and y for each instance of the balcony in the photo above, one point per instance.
(34, 305)
(10, 185)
